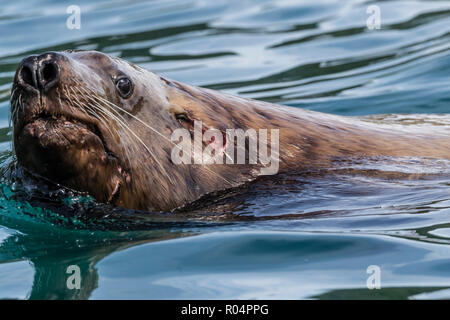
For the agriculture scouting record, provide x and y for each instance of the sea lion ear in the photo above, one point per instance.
(181, 115)
(176, 109)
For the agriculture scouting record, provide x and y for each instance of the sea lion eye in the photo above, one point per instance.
(182, 116)
(125, 87)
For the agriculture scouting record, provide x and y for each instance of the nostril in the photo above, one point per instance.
(49, 73)
(27, 75)
(39, 72)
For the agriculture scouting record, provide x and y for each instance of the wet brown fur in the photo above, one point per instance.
(151, 181)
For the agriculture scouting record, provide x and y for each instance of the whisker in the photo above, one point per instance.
(143, 144)
(112, 106)
(106, 113)
(103, 118)
(154, 130)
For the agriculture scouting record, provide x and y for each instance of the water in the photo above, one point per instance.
(300, 237)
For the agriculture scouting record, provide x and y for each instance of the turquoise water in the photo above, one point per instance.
(299, 237)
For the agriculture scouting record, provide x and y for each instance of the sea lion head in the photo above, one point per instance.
(102, 125)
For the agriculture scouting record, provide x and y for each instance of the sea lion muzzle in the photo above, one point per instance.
(52, 138)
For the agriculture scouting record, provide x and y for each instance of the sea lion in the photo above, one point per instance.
(102, 125)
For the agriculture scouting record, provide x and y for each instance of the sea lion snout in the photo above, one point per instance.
(59, 132)
(39, 72)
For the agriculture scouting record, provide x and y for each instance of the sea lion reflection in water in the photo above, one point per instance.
(102, 125)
